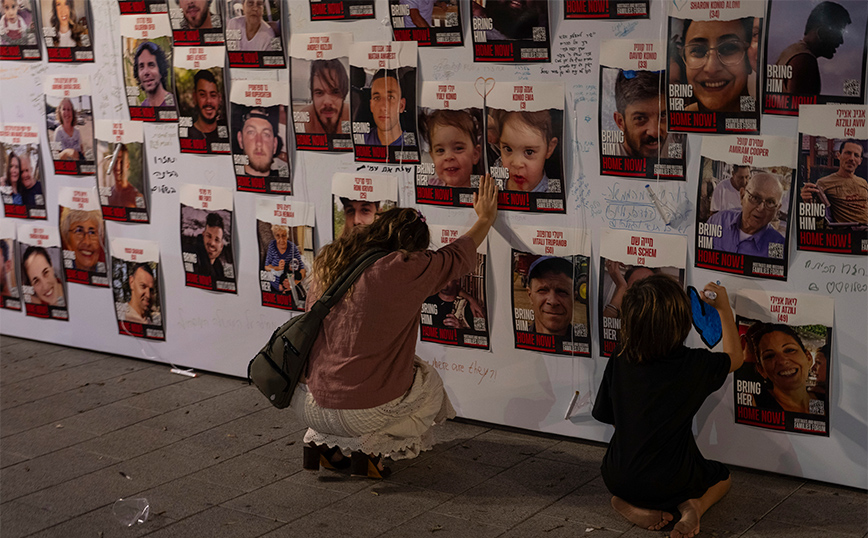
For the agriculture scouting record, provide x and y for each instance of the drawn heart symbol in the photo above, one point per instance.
(482, 86)
(705, 319)
(834, 286)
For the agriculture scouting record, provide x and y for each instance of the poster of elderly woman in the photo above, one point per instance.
(253, 34)
(82, 235)
(42, 278)
(69, 121)
(66, 29)
(783, 384)
(284, 229)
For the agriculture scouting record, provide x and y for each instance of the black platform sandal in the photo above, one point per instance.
(365, 466)
(315, 456)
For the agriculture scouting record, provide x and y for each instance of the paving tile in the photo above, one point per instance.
(817, 507)
(558, 527)
(218, 522)
(288, 448)
(44, 439)
(430, 524)
(205, 415)
(740, 509)
(589, 505)
(215, 384)
(778, 529)
(101, 523)
(48, 470)
(130, 442)
(167, 398)
(87, 493)
(576, 452)
(10, 458)
(500, 448)
(284, 501)
(18, 519)
(329, 524)
(764, 483)
(247, 473)
(389, 502)
(32, 415)
(331, 480)
(186, 496)
(444, 474)
(158, 467)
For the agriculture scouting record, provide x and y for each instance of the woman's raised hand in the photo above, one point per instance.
(485, 201)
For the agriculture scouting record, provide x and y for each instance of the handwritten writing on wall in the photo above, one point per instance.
(845, 277)
(474, 368)
(573, 57)
(629, 207)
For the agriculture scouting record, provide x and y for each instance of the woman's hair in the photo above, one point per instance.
(72, 216)
(31, 251)
(7, 180)
(74, 113)
(278, 228)
(460, 119)
(396, 230)
(655, 318)
(540, 121)
(74, 27)
(756, 332)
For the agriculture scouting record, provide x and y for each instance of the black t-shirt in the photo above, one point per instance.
(444, 308)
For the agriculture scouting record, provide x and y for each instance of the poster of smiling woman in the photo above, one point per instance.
(42, 276)
(136, 288)
(82, 235)
(69, 121)
(21, 172)
(66, 29)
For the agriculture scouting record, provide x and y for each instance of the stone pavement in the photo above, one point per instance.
(80, 429)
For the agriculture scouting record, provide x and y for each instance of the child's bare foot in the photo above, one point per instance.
(688, 525)
(647, 519)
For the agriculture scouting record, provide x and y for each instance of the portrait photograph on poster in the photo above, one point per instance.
(427, 22)
(634, 137)
(357, 198)
(196, 22)
(120, 170)
(43, 286)
(284, 231)
(206, 238)
(260, 153)
(784, 383)
(142, 7)
(610, 9)
(832, 199)
(320, 84)
(10, 295)
(335, 10)
(69, 123)
(136, 288)
(744, 200)
(18, 34)
(82, 236)
(815, 53)
(146, 43)
(66, 30)
(383, 83)
(510, 31)
(21, 171)
(253, 34)
(199, 90)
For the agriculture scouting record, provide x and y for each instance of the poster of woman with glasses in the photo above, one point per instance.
(713, 79)
(82, 236)
(745, 233)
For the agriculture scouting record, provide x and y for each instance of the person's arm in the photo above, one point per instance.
(613, 309)
(475, 309)
(417, 18)
(731, 340)
(485, 205)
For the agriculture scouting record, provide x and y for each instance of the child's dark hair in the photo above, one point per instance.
(655, 318)
(540, 120)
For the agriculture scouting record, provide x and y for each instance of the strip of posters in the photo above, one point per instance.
(815, 53)
(357, 198)
(66, 28)
(42, 284)
(146, 44)
(606, 9)
(784, 382)
(136, 288)
(383, 81)
(832, 199)
(253, 34)
(18, 34)
(427, 22)
(69, 122)
(451, 144)
(550, 284)
(713, 78)
(284, 230)
(21, 171)
(202, 125)
(751, 177)
(626, 257)
(634, 137)
(206, 237)
(196, 22)
(509, 31)
(82, 236)
(10, 297)
(334, 10)
(142, 7)
(525, 123)
(457, 315)
(320, 79)
(120, 154)
(260, 153)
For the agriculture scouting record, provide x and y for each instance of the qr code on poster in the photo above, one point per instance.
(748, 104)
(851, 87)
(451, 19)
(675, 151)
(539, 33)
(776, 250)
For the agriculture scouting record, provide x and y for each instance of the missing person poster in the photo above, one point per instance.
(66, 29)
(69, 121)
(146, 45)
(196, 22)
(815, 53)
(427, 22)
(21, 171)
(253, 34)
(457, 315)
(260, 153)
(626, 257)
(784, 381)
(82, 236)
(511, 31)
(10, 295)
(42, 284)
(832, 198)
(451, 144)
(634, 137)
(606, 9)
(206, 237)
(712, 59)
(320, 79)
(357, 198)
(550, 283)
(120, 172)
(136, 288)
(18, 34)
(383, 76)
(142, 7)
(749, 181)
(202, 124)
(335, 10)
(284, 230)
(525, 123)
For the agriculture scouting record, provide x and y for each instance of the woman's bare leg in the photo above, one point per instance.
(645, 518)
(692, 510)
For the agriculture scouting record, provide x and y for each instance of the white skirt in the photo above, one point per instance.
(400, 429)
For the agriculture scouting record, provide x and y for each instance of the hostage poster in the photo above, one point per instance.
(18, 34)
(744, 200)
(66, 30)
(136, 288)
(206, 238)
(606, 9)
(202, 124)
(357, 198)
(69, 122)
(43, 286)
(21, 171)
(196, 22)
(336, 10)
(511, 31)
(426, 22)
(82, 236)
(146, 45)
(253, 34)
(284, 229)
(120, 172)
(784, 381)
(10, 294)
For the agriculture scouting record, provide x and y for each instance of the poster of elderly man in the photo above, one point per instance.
(43, 286)
(750, 238)
(136, 288)
(253, 34)
(196, 22)
(10, 294)
(21, 171)
(146, 45)
(206, 238)
(69, 122)
(259, 125)
(284, 229)
(82, 235)
(121, 170)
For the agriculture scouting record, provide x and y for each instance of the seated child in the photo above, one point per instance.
(455, 148)
(526, 141)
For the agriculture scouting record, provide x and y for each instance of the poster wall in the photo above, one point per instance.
(10, 294)
(146, 42)
(42, 276)
(120, 157)
(284, 231)
(206, 237)
(69, 122)
(82, 236)
(21, 171)
(136, 288)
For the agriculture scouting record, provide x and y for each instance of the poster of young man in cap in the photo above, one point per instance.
(259, 124)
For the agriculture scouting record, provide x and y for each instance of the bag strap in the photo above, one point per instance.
(352, 273)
